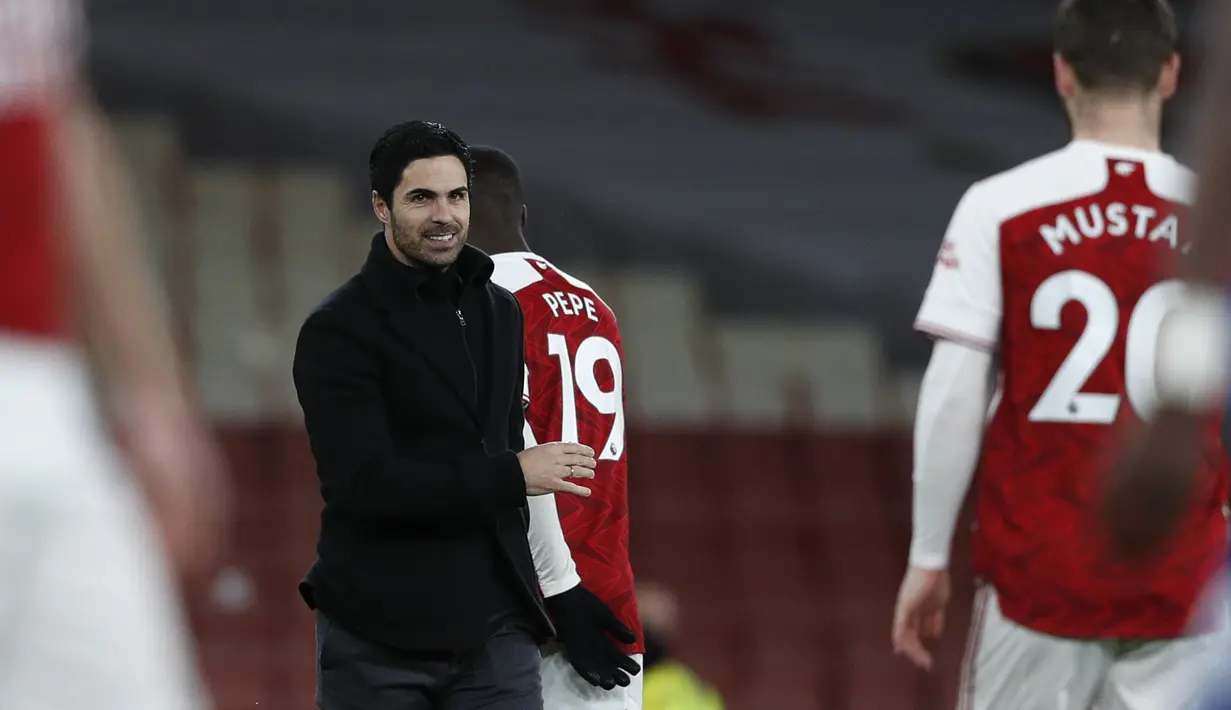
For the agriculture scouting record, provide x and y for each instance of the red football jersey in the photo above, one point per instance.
(37, 51)
(575, 393)
(1065, 264)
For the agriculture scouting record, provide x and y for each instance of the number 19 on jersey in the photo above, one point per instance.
(577, 375)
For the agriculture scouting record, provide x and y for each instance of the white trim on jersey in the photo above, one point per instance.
(963, 298)
(514, 272)
(953, 405)
(962, 301)
(517, 269)
(553, 560)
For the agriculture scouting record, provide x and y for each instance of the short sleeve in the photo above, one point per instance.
(41, 45)
(525, 390)
(963, 299)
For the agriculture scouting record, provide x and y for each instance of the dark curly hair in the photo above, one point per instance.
(407, 142)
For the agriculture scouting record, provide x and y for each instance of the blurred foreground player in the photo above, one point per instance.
(574, 392)
(88, 615)
(1148, 503)
(1060, 268)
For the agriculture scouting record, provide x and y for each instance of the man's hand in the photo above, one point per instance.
(586, 626)
(181, 474)
(548, 467)
(1152, 488)
(920, 614)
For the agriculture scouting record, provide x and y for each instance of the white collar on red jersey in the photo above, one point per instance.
(1117, 150)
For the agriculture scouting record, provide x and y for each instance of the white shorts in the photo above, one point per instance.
(1011, 667)
(563, 689)
(1217, 687)
(88, 616)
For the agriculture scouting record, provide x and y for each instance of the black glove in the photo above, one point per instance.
(586, 627)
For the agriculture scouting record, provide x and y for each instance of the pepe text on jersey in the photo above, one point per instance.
(570, 304)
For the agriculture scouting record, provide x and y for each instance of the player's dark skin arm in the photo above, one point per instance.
(1151, 491)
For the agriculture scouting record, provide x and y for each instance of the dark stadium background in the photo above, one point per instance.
(758, 188)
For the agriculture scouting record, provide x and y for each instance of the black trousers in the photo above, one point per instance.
(353, 674)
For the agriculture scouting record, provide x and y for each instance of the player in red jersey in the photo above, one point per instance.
(1060, 267)
(575, 392)
(88, 614)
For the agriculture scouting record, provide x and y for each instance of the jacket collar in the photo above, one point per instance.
(393, 281)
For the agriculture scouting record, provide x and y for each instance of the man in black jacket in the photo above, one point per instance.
(410, 376)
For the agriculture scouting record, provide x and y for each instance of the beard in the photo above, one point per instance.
(415, 243)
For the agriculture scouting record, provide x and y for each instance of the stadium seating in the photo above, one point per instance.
(785, 558)
(645, 132)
